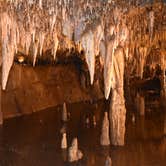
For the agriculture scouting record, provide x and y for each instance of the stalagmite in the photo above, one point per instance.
(87, 122)
(108, 161)
(133, 118)
(94, 121)
(74, 153)
(64, 141)
(117, 106)
(140, 103)
(104, 139)
(64, 113)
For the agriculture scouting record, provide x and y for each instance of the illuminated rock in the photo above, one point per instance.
(104, 139)
(117, 106)
(64, 141)
(74, 153)
(133, 118)
(108, 161)
(87, 42)
(64, 113)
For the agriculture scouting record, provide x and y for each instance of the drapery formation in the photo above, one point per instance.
(34, 26)
(120, 32)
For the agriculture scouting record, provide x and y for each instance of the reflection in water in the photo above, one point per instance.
(25, 141)
(140, 103)
(165, 124)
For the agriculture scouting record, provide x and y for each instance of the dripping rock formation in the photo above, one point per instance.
(114, 37)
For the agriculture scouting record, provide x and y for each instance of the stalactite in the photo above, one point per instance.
(35, 51)
(83, 24)
(87, 42)
(108, 68)
(52, 22)
(27, 42)
(40, 4)
(102, 52)
(41, 41)
(9, 41)
(98, 36)
(142, 57)
(104, 139)
(56, 43)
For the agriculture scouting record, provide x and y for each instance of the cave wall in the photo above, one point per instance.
(94, 27)
(97, 27)
(33, 89)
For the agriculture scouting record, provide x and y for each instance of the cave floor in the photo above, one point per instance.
(34, 140)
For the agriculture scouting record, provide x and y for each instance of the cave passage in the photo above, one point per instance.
(83, 82)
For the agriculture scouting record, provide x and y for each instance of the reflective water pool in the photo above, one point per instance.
(34, 140)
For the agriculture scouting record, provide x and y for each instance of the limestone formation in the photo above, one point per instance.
(121, 33)
(104, 139)
(133, 118)
(108, 161)
(64, 113)
(94, 121)
(117, 106)
(140, 103)
(96, 27)
(74, 153)
(64, 141)
(87, 121)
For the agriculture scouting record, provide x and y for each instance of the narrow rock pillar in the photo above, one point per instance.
(117, 105)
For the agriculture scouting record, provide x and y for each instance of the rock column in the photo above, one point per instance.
(117, 105)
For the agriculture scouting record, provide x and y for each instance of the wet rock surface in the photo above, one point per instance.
(32, 89)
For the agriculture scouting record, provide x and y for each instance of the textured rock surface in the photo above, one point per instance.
(64, 141)
(74, 153)
(104, 139)
(32, 89)
(117, 106)
(97, 27)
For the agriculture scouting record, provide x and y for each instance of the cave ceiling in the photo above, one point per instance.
(98, 27)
